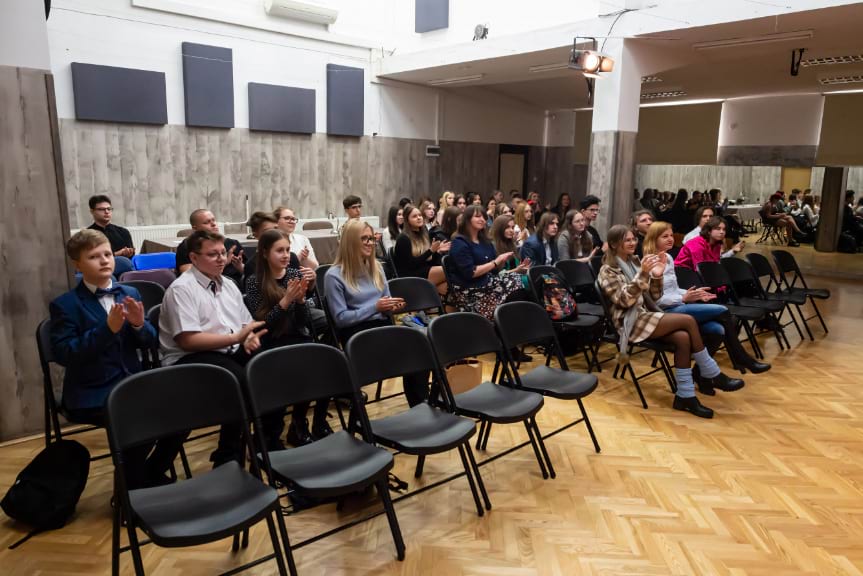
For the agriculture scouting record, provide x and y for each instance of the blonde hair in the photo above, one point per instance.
(656, 230)
(82, 240)
(354, 265)
(443, 198)
(521, 221)
(420, 241)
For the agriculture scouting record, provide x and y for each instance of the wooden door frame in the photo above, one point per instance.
(514, 149)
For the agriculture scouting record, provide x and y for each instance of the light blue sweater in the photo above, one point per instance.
(349, 307)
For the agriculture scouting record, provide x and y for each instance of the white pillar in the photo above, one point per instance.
(24, 35)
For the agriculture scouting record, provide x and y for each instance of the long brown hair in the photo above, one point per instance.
(420, 241)
(449, 221)
(656, 230)
(464, 223)
(578, 244)
(521, 221)
(350, 257)
(615, 238)
(271, 292)
(502, 244)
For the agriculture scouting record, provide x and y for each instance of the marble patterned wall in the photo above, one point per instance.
(158, 175)
(855, 179)
(755, 183)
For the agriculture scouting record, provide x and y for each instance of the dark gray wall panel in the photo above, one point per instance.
(281, 108)
(345, 87)
(431, 15)
(208, 85)
(112, 94)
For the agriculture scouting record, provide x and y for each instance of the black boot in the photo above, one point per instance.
(298, 433)
(693, 406)
(738, 354)
(721, 382)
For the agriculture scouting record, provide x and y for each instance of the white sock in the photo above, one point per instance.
(708, 366)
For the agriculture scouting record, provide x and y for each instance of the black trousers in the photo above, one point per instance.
(145, 465)
(416, 385)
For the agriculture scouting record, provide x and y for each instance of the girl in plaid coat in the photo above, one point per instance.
(631, 286)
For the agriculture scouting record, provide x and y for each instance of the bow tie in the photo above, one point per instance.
(112, 291)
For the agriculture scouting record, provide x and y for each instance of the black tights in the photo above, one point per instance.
(680, 330)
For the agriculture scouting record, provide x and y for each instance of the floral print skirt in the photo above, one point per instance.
(484, 299)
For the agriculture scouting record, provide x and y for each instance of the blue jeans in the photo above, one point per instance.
(704, 315)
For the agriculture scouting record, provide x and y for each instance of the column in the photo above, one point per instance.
(614, 132)
(832, 208)
(34, 223)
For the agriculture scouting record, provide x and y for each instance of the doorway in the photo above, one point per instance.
(512, 169)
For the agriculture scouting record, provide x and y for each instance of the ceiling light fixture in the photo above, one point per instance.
(650, 79)
(456, 80)
(852, 91)
(548, 67)
(754, 40)
(832, 80)
(682, 102)
(666, 94)
(828, 60)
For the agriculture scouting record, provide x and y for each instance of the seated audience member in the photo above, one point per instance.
(204, 220)
(702, 216)
(498, 196)
(276, 294)
(460, 202)
(259, 222)
(474, 199)
(564, 203)
(541, 248)
(119, 237)
(353, 206)
(395, 223)
(404, 200)
(524, 223)
(589, 207)
(447, 199)
(300, 244)
(851, 224)
(490, 211)
(574, 243)
(479, 288)
(416, 254)
(641, 221)
(204, 321)
(858, 210)
(774, 213)
(448, 225)
(429, 213)
(716, 323)
(808, 212)
(503, 238)
(502, 209)
(631, 286)
(96, 331)
(707, 247)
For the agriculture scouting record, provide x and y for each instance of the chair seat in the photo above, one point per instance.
(745, 312)
(656, 345)
(583, 321)
(204, 508)
(423, 430)
(590, 309)
(820, 293)
(769, 305)
(499, 404)
(337, 464)
(558, 383)
(785, 296)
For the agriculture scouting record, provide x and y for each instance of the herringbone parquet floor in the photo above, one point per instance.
(773, 485)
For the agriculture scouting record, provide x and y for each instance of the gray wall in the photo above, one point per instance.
(158, 175)
(755, 183)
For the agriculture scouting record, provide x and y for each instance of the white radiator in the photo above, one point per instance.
(141, 233)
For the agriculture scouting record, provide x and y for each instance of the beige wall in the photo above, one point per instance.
(678, 134)
(842, 131)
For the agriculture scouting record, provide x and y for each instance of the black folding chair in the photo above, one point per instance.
(224, 502)
(522, 322)
(687, 278)
(337, 465)
(658, 347)
(391, 351)
(580, 277)
(462, 335)
(786, 264)
(762, 269)
(770, 232)
(747, 291)
(389, 264)
(151, 292)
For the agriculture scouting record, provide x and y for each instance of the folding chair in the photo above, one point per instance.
(151, 292)
(523, 322)
(161, 276)
(770, 232)
(332, 467)
(462, 335)
(391, 351)
(389, 264)
(580, 277)
(155, 260)
(209, 507)
(762, 268)
(786, 264)
(687, 278)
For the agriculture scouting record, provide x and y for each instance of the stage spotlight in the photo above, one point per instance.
(590, 63)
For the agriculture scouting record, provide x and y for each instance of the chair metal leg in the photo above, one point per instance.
(274, 538)
(185, 462)
(245, 540)
(637, 386)
(533, 444)
(469, 474)
(115, 536)
(818, 313)
(384, 492)
(134, 546)
(482, 425)
(805, 322)
(478, 476)
(378, 391)
(542, 448)
(794, 320)
(286, 543)
(421, 460)
(589, 426)
(487, 434)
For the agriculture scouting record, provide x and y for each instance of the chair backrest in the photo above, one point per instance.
(161, 276)
(523, 323)
(716, 277)
(535, 274)
(390, 258)
(418, 293)
(151, 293)
(153, 316)
(579, 275)
(320, 279)
(448, 264)
(389, 351)
(743, 277)
(687, 278)
(761, 266)
(317, 371)
(184, 232)
(166, 401)
(122, 265)
(785, 263)
(318, 225)
(154, 260)
(46, 357)
(596, 264)
(461, 335)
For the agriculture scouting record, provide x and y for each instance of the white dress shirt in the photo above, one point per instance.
(106, 300)
(298, 242)
(194, 303)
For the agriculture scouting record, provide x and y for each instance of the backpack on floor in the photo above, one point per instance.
(47, 490)
(847, 244)
(557, 299)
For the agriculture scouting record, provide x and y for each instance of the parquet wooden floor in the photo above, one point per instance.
(773, 485)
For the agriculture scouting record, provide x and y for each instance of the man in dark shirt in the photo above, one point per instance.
(589, 206)
(119, 237)
(203, 219)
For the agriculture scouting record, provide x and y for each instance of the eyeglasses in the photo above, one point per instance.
(367, 239)
(109, 209)
(213, 255)
(289, 218)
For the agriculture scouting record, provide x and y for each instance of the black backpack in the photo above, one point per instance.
(46, 491)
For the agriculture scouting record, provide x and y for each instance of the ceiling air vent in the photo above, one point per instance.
(828, 60)
(315, 12)
(833, 80)
(667, 94)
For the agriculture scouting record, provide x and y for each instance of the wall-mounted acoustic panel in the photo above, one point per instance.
(345, 87)
(281, 108)
(208, 85)
(112, 94)
(431, 15)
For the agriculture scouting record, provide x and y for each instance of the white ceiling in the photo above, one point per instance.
(718, 73)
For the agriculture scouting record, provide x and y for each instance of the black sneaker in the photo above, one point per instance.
(321, 430)
(298, 434)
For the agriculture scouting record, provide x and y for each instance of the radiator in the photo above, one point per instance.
(141, 233)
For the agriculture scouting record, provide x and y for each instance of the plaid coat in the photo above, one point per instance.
(623, 295)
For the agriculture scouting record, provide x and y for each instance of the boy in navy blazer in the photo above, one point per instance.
(96, 331)
(541, 248)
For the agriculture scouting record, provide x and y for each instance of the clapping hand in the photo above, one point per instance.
(698, 295)
(435, 245)
(250, 335)
(387, 304)
(133, 311)
(444, 246)
(304, 253)
(739, 246)
(116, 317)
(523, 266)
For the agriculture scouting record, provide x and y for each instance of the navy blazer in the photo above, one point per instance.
(534, 249)
(95, 358)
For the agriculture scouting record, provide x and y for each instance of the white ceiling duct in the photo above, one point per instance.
(315, 12)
